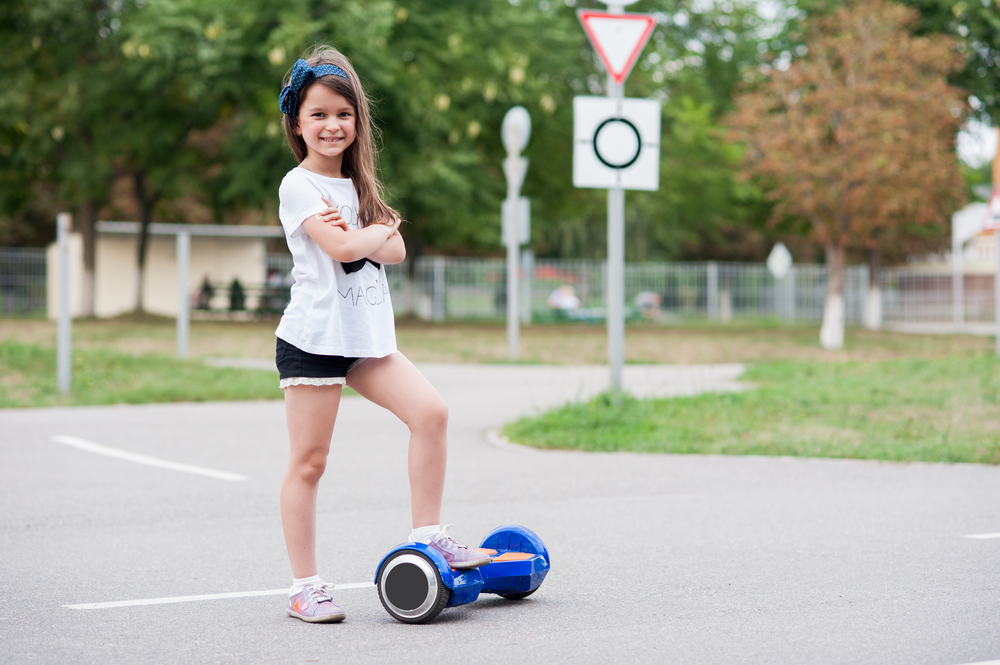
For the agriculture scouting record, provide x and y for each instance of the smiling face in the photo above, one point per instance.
(327, 126)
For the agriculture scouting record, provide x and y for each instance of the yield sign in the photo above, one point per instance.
(617, 38)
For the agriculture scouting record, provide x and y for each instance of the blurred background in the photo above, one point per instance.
(853, 128)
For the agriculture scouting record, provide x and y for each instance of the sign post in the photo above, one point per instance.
(616, 146)
(779, 262)
(515, 216)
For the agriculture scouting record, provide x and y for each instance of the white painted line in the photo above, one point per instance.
(983, 536)
(97, 448)
(211, 596)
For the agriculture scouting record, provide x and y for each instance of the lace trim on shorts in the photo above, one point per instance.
(312, 381)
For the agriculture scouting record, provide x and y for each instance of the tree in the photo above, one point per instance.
(857, 137)
(174, 103)
(54, 119)
(976, 26)
(444, 74)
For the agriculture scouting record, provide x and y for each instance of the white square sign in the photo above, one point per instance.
(616, 143)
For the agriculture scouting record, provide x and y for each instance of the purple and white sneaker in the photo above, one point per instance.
(313, 604)
(458, 556)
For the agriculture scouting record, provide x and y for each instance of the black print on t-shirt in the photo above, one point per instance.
(354, 266)
(370, 295)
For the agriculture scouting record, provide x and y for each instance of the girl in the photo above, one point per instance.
(338, 327)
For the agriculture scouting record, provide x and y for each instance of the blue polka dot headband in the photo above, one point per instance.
(302, 75)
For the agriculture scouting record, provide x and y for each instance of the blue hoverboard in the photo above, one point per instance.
(415, 582)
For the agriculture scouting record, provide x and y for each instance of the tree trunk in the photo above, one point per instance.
(831, 335)
(86, 222)
(147, 201)
(873, 299)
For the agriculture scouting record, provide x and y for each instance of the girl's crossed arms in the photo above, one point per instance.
(379, 242)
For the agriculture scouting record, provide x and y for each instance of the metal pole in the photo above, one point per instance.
(513, 314)
(64, 336)
(616, 284)
(183, 297)
(712, 290)
(528, 268)
(996, 292)
(440, 296)
(616, 257)
(957, 282)
(790, 295)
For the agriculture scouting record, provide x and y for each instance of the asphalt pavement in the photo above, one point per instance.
(655, 558)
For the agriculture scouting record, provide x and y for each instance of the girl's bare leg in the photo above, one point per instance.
(311, 412)
(394, 383)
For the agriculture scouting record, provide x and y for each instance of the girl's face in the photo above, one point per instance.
(326, 125)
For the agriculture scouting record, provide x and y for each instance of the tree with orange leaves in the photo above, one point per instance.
(858, 136)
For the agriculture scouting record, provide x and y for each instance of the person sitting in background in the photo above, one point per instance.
(648, 304)
(564, 299)
(205, 293)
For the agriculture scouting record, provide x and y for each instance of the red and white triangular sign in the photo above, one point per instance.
(618, 38)
(992, 221)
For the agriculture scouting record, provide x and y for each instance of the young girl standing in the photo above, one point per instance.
(338, 327)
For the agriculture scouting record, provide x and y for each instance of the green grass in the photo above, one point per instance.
(932, 410)
(105, 376)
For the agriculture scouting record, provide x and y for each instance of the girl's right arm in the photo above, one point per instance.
(347, 245)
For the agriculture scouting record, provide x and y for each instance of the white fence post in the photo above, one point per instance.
(439, 289)
(996, 288)
(712, 290)
(957, 284)
(64, 342)
(183, 297)
(789, 284)
(528, 268)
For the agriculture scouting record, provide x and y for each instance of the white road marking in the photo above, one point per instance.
(90, 447)
(983, 536)
(211, 596)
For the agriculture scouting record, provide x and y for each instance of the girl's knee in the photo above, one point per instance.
(433, 416)
(309, 468)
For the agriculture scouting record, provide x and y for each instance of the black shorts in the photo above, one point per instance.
(293, 362)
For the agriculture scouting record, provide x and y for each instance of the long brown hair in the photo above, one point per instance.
(360, 158)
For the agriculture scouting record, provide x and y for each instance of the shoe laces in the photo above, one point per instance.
(446, 542)
(318, 593)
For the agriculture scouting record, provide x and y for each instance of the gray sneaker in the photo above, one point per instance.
(459, 557)
(314, 605)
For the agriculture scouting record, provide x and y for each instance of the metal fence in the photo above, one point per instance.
(22, 281)
(446, 288)
(449, 288)
(462, 288)
(911, 296)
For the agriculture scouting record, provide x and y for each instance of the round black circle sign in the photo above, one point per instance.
(617, 143)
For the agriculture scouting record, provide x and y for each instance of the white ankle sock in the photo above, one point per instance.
(425, 533)
(297, 584)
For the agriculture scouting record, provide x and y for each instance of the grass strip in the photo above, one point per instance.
(929, 410)
(104, 376)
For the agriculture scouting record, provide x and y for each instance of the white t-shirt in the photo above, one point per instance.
(332, 311)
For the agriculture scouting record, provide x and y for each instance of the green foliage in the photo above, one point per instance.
(936, 410)
(181, 97)
(976, 23)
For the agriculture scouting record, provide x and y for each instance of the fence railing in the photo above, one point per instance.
(450, 288)
(462, 288)
(22, 281)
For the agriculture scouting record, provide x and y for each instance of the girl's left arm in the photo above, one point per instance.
(393, 251)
